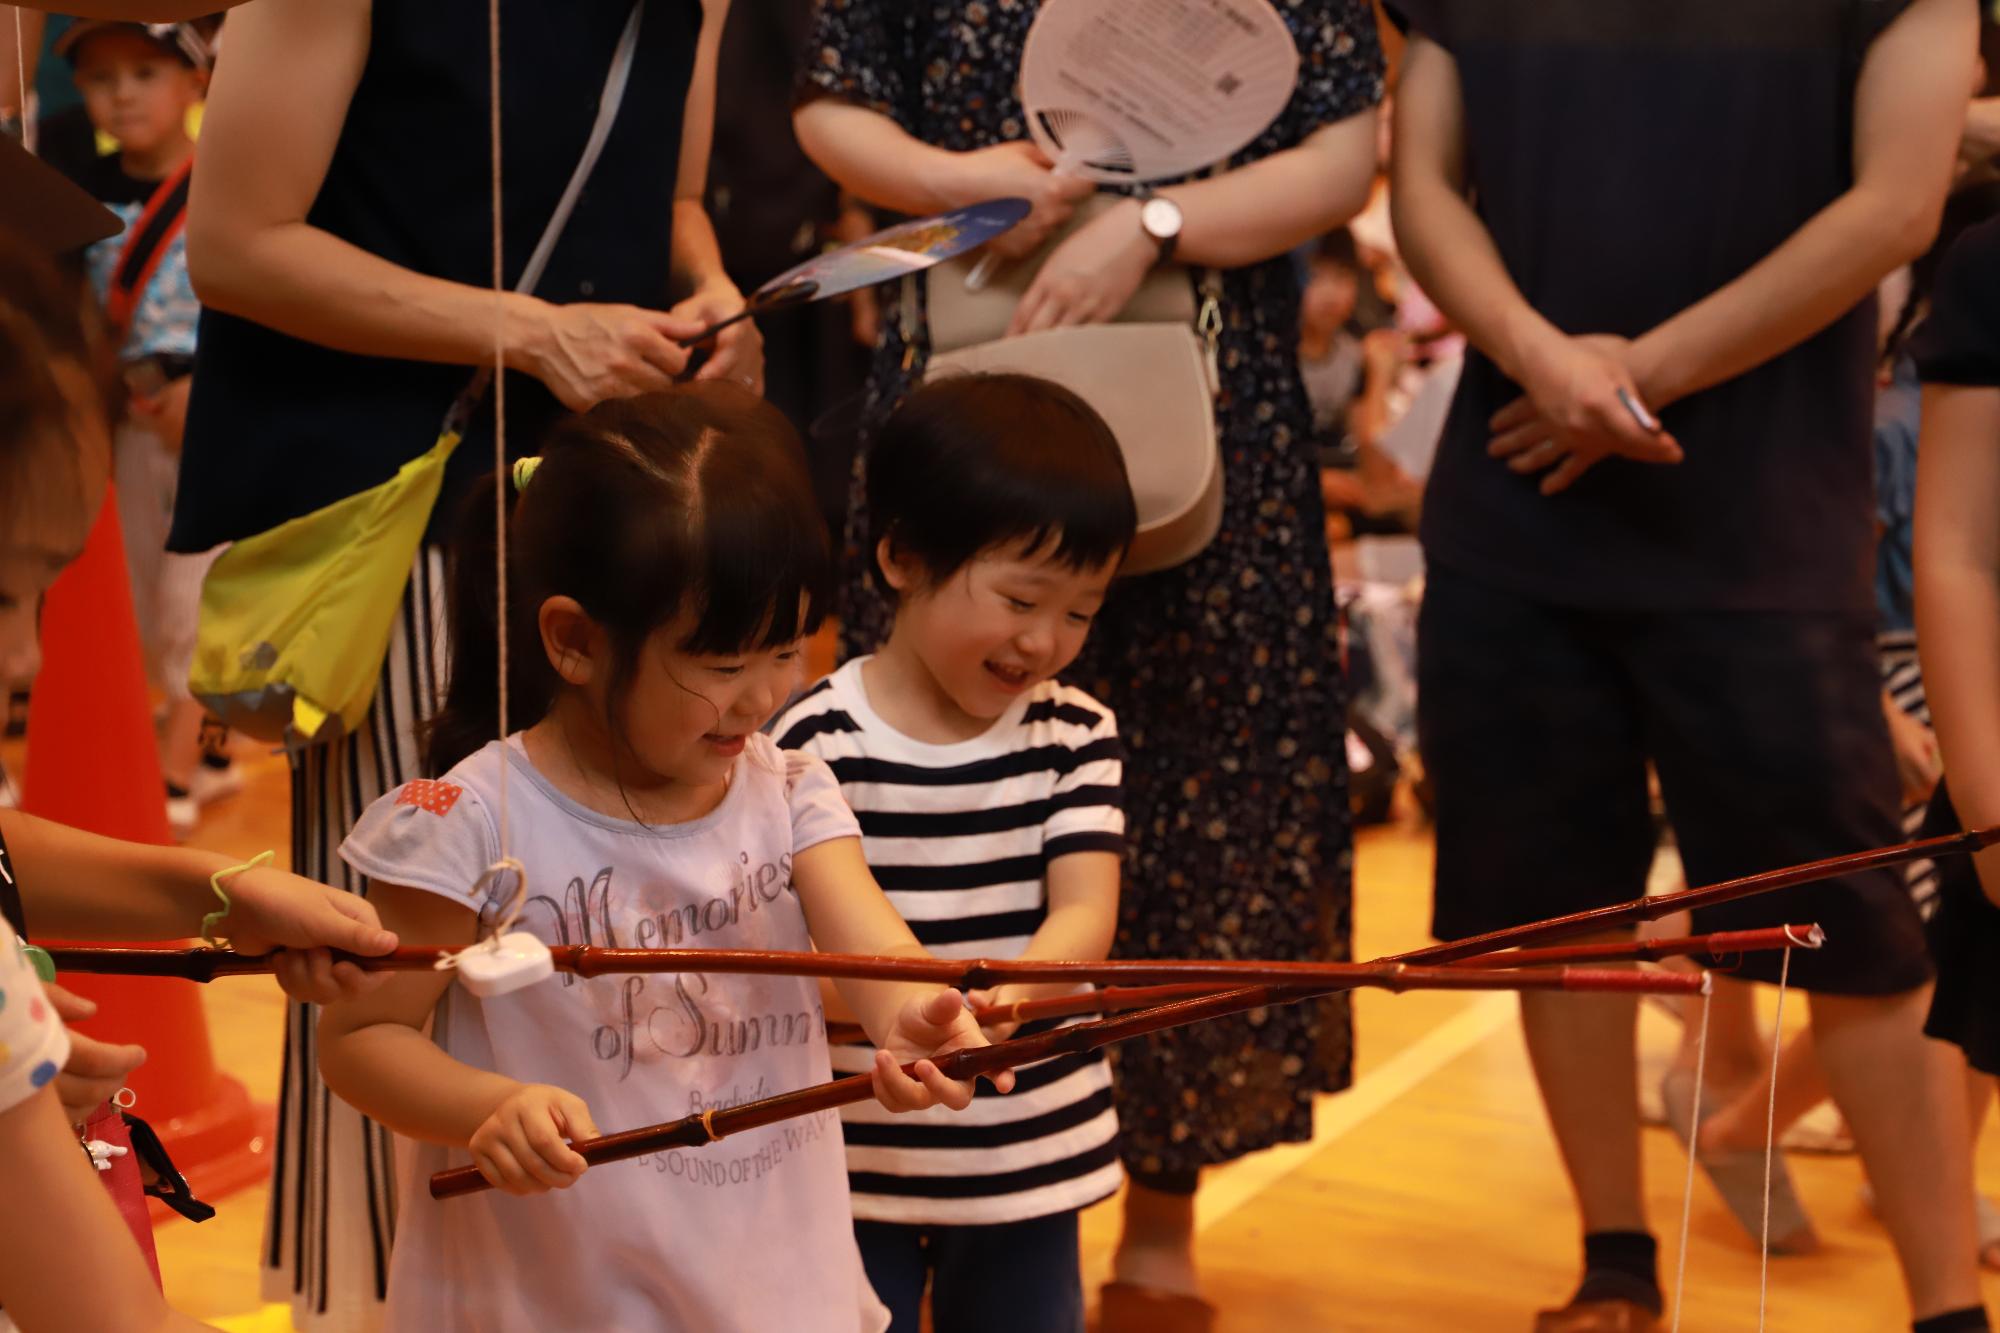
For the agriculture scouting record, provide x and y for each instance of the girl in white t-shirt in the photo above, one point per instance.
(666, 556)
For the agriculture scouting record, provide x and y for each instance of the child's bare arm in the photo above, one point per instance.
(66, 1257)
(374, 1053)
(373, 1050)
(847, 912)
(1082, 921)
(78, 885)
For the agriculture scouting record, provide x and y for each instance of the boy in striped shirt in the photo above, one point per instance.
(990, 808)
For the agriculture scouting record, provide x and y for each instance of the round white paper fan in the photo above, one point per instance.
(1130, 91)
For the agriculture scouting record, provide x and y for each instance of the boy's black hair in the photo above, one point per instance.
(971, 462)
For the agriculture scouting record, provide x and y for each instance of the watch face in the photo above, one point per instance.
(1161, 218)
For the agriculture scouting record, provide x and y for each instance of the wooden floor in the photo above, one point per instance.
(1429, 1200)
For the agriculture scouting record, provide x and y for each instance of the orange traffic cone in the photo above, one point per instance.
(93, 764)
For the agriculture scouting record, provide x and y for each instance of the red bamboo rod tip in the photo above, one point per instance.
(1639, 981)
(1774, 937)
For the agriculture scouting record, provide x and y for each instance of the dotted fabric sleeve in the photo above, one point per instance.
(33, 1042)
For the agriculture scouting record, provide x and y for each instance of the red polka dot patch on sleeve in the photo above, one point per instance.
(436, 797)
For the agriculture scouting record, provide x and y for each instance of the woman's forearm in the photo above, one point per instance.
(273, 126)
(697, 258)
(1278, 203)
(1240, 217)
(1962, 684)
(697, 255)
(871, 156)
(302, 281)
(1957, 552)
(1959, 617)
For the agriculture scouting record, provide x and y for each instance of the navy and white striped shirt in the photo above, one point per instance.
(960, 836)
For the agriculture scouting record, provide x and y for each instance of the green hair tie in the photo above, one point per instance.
(216, 918)
(524, 470)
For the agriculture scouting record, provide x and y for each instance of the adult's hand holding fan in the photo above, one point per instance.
(907, 247)
(1135, 91)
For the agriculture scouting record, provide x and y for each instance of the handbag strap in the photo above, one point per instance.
(608, 102)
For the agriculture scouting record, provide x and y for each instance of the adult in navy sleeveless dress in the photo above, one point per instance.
(341, 241)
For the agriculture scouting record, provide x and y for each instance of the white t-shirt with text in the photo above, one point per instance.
(751, 1232)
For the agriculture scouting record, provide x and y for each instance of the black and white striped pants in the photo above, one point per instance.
(1903, 679)
(333, 1196)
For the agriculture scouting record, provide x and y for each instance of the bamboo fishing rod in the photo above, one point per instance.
(710, 1126)
(206, 965)
(1715, 946)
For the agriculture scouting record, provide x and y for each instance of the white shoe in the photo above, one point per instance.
(183, 813)
(211, 784)
(1820, 1130)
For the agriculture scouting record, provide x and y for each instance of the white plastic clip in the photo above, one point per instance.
(509, 959)
(505, 963)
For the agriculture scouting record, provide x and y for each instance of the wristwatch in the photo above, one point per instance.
(1160, 218)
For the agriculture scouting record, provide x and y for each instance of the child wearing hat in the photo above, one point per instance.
(141, 85)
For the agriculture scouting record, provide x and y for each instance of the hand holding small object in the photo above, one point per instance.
(1582, 406)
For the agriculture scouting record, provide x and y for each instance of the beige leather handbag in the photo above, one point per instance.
(1151, 375)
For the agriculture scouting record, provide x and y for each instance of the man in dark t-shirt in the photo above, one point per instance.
(1681, 209)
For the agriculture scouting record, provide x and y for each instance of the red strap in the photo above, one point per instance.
(126, 1186)
(129, 278)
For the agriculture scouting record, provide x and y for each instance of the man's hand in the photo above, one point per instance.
(1583, 405)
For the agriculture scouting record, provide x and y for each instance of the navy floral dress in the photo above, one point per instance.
(1224, 672)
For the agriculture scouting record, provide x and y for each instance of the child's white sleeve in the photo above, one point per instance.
(429, 835)
(1087, 808)
(819, 812)
(33, 1042)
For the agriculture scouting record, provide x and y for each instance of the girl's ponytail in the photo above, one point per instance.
(471, 710)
